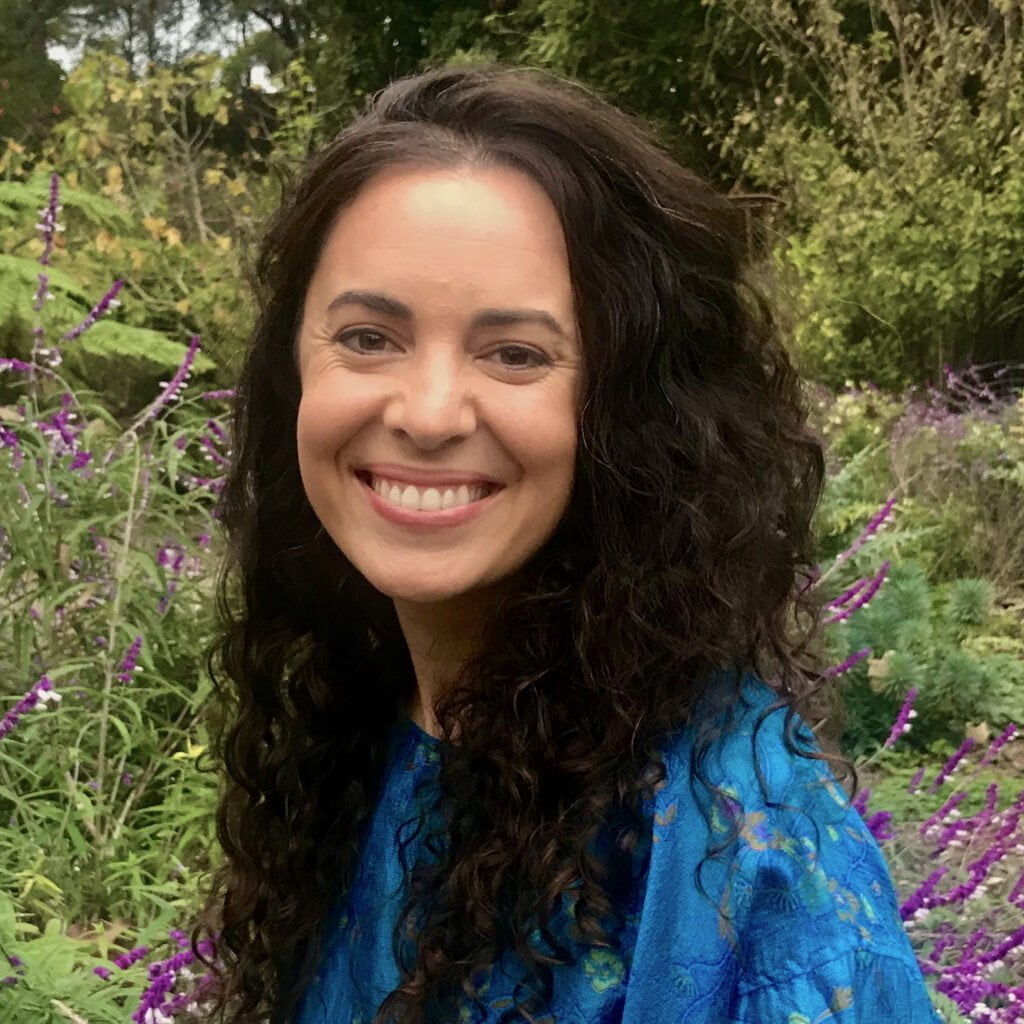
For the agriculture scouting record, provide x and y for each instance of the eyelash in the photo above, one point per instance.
(540, 359)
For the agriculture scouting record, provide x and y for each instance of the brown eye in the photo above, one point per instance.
(375, 347)
(523, 358)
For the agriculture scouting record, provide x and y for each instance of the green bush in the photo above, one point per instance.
(899, 158)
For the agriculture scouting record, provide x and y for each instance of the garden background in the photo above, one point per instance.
(877, 147)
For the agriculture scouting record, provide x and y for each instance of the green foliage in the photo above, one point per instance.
(107, 810)
(918, 634)
(33, 193)
(168, 178)
(948, 618)
(905, 203)
(958, 476)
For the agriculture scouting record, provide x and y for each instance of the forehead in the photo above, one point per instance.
(493, 224)
(486, 204)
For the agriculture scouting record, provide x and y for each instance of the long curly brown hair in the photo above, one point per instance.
(686, 549)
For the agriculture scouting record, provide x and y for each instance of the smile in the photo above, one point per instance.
(409, 505)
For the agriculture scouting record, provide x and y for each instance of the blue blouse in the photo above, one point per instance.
(813, 932)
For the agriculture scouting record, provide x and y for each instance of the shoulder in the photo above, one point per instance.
(783, 848)
(765, 890)
(749, 759)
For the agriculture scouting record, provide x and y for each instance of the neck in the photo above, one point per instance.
(441, 638)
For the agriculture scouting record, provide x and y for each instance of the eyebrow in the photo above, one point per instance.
(482, 318)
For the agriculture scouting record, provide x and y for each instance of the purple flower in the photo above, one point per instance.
(212, 454)
(157, 1002)
(40, 695)
(950, 766)
(998, 743)
(940, 815)
(845, 666)
(175, 385)
(101, 307)
(846, 595)
(131, 659)
(862, 601)
(860, 801)
(18, 365)
(131, 957)
(921, 894)
(878, 825)
(49, 224)
(875, 524)
(902, 723)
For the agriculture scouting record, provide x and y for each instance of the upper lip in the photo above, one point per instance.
(426, 477)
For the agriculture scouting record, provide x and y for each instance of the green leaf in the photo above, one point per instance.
(123, 341)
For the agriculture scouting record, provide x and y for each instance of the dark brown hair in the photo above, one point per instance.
(684, 551)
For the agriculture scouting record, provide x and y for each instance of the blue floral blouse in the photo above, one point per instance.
(813, 932)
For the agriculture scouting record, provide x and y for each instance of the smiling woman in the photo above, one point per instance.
(517, 649)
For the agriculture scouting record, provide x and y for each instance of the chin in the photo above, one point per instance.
(427, 592)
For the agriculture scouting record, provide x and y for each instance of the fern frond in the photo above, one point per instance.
(19, 279)
(35, 194)
(123, 341)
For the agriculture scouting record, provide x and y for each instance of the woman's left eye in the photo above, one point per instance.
(534, 358)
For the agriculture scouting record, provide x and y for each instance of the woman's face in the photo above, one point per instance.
(439, 346)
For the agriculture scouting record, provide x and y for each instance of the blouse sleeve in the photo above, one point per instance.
(800, 923)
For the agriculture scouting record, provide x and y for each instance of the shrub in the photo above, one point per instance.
(106, 548)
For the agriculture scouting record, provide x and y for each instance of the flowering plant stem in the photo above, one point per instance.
(115, 609)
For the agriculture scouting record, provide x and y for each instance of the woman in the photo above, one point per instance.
(520, 510)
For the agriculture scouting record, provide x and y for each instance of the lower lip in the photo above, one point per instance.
(439, 517)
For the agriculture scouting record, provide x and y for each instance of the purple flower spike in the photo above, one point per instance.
(874, 525)
(940, 815)
(131, 659)
(838, 670)
(902, 723)
(175, 385)
(999, 742)
(101, 307)
(49, 225)
(860, 801)
(878, 825)
(18, 365)
(849, 594)
(924, 891)
(865, 596)
(950, 766)
(41, 694)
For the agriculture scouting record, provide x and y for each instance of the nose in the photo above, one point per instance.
(433, 403)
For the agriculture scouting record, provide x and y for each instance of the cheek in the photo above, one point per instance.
(321, 426)
(548, 453)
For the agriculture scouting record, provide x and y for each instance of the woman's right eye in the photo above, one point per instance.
(372, 349)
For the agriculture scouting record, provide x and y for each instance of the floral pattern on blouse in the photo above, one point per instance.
(798, 923)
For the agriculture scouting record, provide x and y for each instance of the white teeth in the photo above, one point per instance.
(429, 499)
